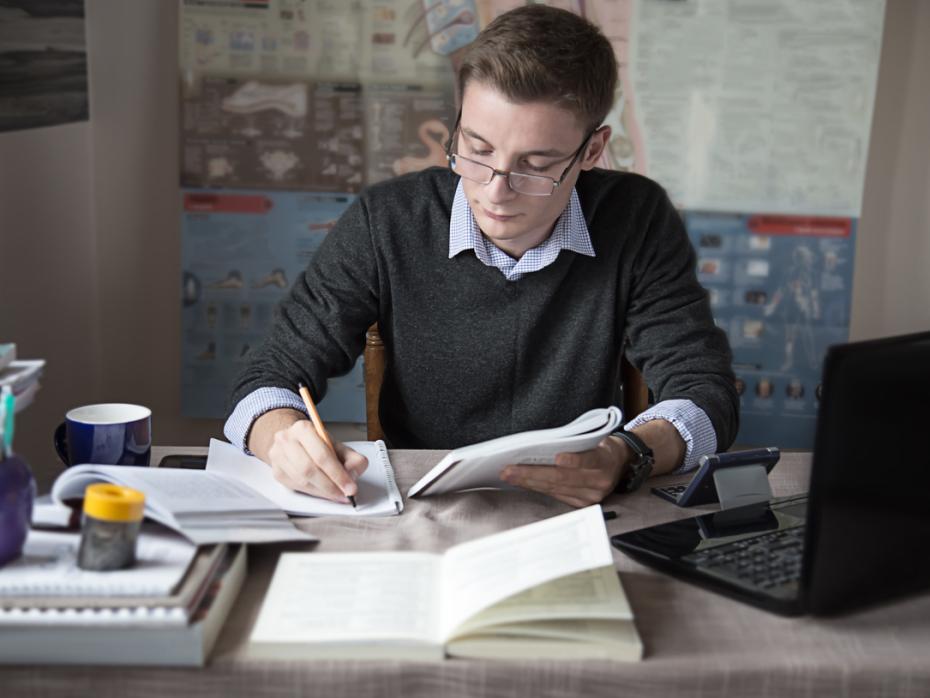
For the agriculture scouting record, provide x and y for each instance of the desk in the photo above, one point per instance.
(697, 643)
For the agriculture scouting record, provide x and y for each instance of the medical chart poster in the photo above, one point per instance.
(780, 287)
(241, 252)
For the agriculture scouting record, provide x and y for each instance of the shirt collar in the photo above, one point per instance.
(570, 233)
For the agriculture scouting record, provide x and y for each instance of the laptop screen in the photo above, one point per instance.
(868, 532)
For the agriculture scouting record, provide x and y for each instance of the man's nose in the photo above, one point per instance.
(499, 189)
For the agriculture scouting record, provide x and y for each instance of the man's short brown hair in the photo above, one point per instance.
(538, 53)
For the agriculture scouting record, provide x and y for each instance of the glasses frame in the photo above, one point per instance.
(452, 156)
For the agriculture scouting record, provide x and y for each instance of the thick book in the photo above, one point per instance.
(204, 507)
(47, 574)
(479, 465)
(547, 590)
(54, 588)
(377, 490)
(134, 636)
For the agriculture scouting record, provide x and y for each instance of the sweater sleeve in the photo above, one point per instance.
(319, 328)
(672, 337)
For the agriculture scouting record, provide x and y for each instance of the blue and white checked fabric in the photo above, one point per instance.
(253, 406)
(570, 233)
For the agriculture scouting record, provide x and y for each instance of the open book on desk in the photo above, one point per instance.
(547, 590)
(480, 465)
(377, 491)
(203, 507)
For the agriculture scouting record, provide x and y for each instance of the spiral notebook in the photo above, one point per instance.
(377, 490)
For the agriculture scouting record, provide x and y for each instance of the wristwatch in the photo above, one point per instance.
(637, 470)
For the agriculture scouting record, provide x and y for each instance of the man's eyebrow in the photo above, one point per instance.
(548, 153)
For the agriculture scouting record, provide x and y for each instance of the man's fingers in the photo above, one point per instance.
(295, 467)
(327, 462)
(353, 461)
(547, 478)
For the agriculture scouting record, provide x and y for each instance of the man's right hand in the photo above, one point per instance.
(301, 460)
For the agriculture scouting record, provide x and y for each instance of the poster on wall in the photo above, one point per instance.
(240, 253)
(755, 117)
(43, 64)
(779, 287)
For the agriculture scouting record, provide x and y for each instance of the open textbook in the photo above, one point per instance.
(203, 507)
(479, 465)
(547, 590)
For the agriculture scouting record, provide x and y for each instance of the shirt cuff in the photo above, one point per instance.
(691, 422)
(253, 406)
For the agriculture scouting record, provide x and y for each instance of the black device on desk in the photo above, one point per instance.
(702, 489)
(862, 533)
(180, 460)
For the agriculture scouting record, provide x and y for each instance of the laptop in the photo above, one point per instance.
(861, 535)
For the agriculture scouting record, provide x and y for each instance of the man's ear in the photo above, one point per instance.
(596, 146)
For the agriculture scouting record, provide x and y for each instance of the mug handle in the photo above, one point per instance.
(61, 443)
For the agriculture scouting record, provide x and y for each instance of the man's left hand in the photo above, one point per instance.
(578, 479)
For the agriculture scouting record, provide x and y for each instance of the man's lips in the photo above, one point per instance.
(497, 217)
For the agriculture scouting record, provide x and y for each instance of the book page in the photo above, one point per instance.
(480, 573)
(479, 465)
(351, 597)
(592, 594)
(167, 490)
(377, 492)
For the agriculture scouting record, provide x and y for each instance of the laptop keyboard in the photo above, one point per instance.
(766, 561)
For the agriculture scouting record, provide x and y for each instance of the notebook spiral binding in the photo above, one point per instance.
(389, 476)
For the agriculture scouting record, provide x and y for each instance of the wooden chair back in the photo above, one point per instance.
(635, 391)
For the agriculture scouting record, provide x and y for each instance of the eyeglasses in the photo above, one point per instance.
(520, 182)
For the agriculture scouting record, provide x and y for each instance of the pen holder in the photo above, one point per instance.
(17, 492)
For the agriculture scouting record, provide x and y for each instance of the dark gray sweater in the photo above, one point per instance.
(472, 356)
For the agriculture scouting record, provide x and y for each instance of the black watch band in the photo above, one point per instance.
(639, 469)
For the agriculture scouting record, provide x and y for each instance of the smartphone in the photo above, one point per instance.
(188, 462)
(701, 488)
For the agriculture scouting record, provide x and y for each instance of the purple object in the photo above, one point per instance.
(17, 492)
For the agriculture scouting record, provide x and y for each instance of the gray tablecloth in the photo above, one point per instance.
(697, 643)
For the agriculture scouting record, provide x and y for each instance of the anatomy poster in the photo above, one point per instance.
(241, 251)
(780, 288)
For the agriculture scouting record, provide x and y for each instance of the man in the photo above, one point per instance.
(504, 288)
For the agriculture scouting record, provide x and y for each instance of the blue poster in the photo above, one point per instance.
(240, 254)
(780, 286)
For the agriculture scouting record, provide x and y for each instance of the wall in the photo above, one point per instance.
(48, 273)
(90, 240)
(891, 287)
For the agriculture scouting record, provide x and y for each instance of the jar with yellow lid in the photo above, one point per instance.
(110, 527)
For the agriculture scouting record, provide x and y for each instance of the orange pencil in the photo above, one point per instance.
(318, 424)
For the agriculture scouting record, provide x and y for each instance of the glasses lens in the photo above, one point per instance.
(470, 169)
(532, 185)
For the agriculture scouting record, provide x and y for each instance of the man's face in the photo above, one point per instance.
(532, 138)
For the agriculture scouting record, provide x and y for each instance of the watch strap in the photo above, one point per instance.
(639, 469)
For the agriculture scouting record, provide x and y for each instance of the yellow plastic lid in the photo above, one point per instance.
(113, 502)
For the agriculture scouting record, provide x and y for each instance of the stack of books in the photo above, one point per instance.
(166, 610)
(21, 377)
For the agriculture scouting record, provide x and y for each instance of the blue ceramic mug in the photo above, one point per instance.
(110, 434)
